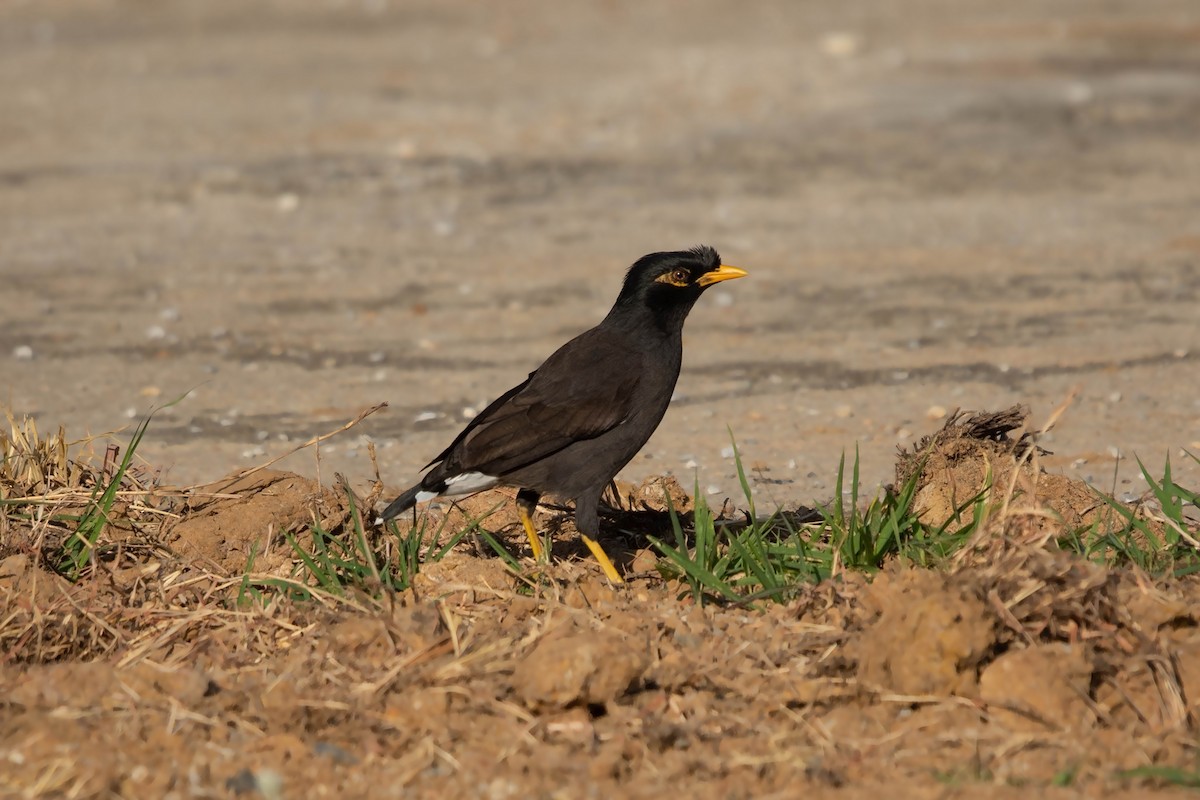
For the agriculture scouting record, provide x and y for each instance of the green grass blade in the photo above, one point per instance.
(78, 548)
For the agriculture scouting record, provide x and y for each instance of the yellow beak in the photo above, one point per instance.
(721, 273)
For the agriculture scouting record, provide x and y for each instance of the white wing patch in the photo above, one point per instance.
(462, 484)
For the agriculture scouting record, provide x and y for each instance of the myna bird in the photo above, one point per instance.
(583, 414)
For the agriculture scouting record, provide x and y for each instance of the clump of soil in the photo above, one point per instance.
(226, 521)
(976, 453)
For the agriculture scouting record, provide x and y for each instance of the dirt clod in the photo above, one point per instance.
(979, 455)
(1045, 687)
(929, 639)
(250, 514)
(588, 667)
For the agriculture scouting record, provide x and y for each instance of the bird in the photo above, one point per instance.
(568, 428)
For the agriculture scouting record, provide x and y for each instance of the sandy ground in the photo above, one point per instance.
(294, 211)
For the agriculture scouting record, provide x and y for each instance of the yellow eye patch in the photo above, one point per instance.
(676, 277)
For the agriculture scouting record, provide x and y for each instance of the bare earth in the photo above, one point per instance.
(293, 211)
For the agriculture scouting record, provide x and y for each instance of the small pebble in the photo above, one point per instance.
(156, 332)
(287, 202)
(338, 754)
(903, 433)
(1114, 451)
(425, 416)
(377, 357)
(270, 784)
(935, 412)
(253, 452)
(243, 782)
(1115, 397)
(170, 314)
(22, 352)
(841, 44)
(713, 489)
(727, 451)
(469, 413)
(843, 412)
(1078, 94)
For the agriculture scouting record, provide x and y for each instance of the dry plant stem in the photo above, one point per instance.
(314, 441)
(1030, 455)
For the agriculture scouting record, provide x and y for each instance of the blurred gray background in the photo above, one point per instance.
(296, 210)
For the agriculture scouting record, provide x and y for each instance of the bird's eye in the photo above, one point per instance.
(676, 277)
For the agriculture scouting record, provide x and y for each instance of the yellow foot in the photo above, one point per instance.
(605, 563)
(535, 544)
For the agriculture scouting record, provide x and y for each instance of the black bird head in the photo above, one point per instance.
(665, 286)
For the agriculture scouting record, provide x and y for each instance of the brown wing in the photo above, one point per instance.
(582, 391)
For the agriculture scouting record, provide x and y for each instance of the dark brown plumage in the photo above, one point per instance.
(583, 414)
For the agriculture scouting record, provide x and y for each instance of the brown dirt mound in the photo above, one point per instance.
(975, 453)
(225, 521)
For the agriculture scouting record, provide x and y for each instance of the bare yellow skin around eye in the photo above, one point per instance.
(678, 277)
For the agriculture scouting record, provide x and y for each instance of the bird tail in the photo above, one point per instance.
(401, 504)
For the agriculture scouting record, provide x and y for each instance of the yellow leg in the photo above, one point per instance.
(535, 544)
(605, 563)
